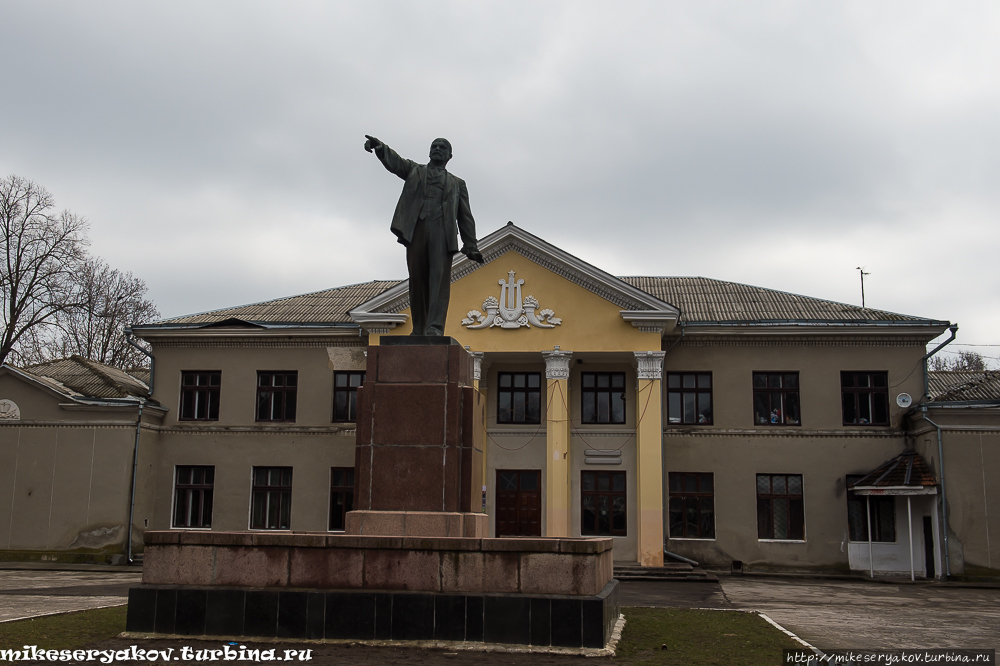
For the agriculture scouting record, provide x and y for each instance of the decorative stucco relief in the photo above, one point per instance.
(9, 411)
(511, 311)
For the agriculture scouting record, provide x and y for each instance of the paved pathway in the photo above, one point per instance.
(846, 614)
(828, 614)
(32, 593)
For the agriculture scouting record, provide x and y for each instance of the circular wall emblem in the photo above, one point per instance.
(904, 400)
(9, 410)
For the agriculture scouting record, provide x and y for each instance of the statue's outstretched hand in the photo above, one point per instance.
(371, 143)
(474, 254)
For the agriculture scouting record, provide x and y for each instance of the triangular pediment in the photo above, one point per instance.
(635, 305)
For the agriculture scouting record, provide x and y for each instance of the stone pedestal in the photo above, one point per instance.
(419, 441)
(415, 564)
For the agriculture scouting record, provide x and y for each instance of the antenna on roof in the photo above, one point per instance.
(863, 274)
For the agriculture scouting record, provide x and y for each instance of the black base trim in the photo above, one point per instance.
(541, 620)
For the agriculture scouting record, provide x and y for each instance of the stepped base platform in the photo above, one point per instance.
(670, 571)
(550, 591)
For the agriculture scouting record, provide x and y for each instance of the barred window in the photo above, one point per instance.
(882, 511)
(780, 512)
(692, 505)
(603, 506)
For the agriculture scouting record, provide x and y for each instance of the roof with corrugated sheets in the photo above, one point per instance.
(329, 306)
(699, 300)
(964, 385)
(706, 300)
(84, 377)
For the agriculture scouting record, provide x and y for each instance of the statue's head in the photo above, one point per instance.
(440, 151)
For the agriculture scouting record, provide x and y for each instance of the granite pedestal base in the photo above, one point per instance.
(555, 592)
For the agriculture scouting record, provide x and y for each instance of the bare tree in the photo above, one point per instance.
(40, 251)
(964, 360)
(108, 301)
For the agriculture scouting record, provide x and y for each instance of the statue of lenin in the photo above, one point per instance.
(432, 211)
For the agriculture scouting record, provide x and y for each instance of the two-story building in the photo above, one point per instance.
(714, 420)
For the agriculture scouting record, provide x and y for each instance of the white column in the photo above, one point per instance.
(557, 464)
(871, 557)
(909, 529)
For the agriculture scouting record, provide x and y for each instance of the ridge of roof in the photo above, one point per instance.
(735, 300)
(511, 237)
(253, 312)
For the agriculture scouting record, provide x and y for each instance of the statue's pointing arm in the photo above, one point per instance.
(390, 158)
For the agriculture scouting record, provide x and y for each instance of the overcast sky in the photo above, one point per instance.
(216, 147)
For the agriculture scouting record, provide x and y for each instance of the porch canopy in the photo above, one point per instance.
(906, 474)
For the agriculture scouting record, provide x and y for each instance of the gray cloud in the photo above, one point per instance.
(216, 147)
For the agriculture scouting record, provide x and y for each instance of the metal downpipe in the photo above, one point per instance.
(954, 333)
(135, 469)
(152, 359)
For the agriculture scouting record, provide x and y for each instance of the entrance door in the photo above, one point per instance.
(519, 502)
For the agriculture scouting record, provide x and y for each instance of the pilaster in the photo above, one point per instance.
(478, 371)
(557, 445)
(649, 456)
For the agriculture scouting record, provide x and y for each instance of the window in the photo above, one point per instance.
(603, 397)
(345, 395)
(602, 504)
(689, 398)
(200, 395)
(780, 514)
(883, 515)
(519, 397)
(341, 496)
(776, 398)
(692, 506)
(193, 488)
(271, 498)
(865, 398)
(276, 395)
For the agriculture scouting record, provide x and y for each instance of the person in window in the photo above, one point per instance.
(775, 416)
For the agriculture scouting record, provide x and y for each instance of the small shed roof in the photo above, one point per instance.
(906, 472)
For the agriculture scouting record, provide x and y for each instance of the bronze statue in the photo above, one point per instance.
(432, 211)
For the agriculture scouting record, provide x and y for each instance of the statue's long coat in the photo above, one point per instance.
(457, 212)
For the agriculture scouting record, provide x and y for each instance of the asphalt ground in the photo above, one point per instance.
(845, 614)
(827, 614)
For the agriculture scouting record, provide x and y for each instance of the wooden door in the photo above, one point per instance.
(519, 502)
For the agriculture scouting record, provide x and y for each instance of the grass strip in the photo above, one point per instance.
(65, 631)
(689, 637)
